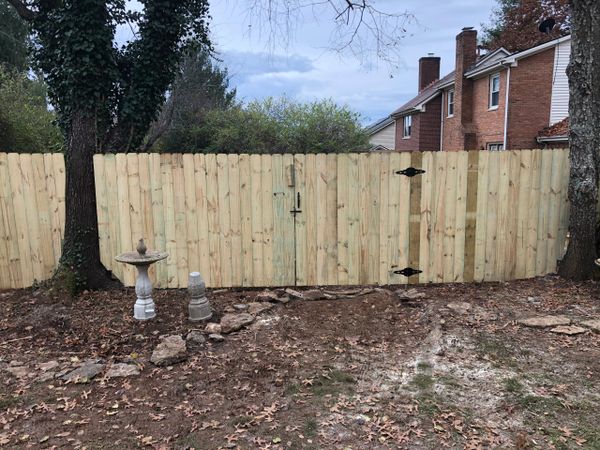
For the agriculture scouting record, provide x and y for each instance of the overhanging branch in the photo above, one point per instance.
(22, 10)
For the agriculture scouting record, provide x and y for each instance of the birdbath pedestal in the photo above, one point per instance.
(142, 259)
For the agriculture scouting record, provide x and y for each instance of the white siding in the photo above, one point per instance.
(560, 86)
(386, 137)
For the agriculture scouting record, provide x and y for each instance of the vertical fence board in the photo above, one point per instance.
(246, 219)
(543, 213)
(321, 215)
(462, 178)
(331, 220)
(533, 215)
(191, 214)
(343, 194)
(235, 219)
(13, 276)
(471, 216)
(384, 225)
(414, 226)
(392, 241)
(309, 207)
(353, 220)
(483, 173)
(267, 210)
(224, 219)
(554, 209)
(202, 209)
(521, 211)
(299, 181)
(502, 219)
(114, 224)
(158, 219)
(450, 203)
(425, 217)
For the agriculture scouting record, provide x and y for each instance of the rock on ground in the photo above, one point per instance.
(568, 330)
(459, 307)
(122, 370)
(18, 371)
(48, 366)
(169, 351)
(216, 337)
(409, 294)
(195, 337)
(85, 373)
(255, 308)
(593, 325)
(273, 297)
(545, 321)
(234, 322)
(213, 328)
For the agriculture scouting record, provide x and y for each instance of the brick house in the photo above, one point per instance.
(489, 102)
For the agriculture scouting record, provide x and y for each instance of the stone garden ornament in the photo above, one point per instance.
(144, 308)
(199, 308)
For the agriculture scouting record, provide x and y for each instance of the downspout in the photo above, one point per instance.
(442, 125)
(506, 109)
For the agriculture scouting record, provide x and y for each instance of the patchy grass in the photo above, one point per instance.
(422, 381)
(513, 385)
(333, 383)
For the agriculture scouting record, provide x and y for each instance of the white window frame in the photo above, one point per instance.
(407, 127)
(450, 103)
(495, 146)
(493, 77)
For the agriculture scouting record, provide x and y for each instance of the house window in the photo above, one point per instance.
(407, 127)
(451, 103)
(495, 146)
(494, 91)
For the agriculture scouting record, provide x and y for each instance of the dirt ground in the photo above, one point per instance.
(371, 372)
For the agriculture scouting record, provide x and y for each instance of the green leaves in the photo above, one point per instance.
(122, 88)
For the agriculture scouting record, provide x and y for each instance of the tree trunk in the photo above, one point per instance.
(584, 118)
(80, 265)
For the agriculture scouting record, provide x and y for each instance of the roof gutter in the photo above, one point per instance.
(559, 138)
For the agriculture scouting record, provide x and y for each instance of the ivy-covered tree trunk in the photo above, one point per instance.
(80, 261)
(584, 117)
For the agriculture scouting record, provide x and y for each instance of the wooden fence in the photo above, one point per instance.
(274, 220)
(32, 211)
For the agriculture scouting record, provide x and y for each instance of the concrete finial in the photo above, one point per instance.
(141, 247)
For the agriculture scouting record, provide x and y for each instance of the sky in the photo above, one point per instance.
(306, 68)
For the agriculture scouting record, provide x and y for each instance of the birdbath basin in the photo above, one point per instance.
(142, 259)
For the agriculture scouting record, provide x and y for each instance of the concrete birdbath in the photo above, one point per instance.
(142, 259)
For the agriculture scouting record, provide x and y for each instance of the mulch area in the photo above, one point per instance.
(371, 372)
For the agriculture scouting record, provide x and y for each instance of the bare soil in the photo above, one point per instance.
(371, 372)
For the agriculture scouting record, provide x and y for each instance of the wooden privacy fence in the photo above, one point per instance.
(32, 211)
(267, 220)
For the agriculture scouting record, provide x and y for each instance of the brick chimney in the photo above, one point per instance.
(466, 55)
(429, 70)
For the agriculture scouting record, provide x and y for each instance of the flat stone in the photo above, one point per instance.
(409, 294)
(195, 337)
(255, 308)
(459, 307)
(46, 376)
(593, 325)
(84, 373)
(267, 296)
(569, 330)
(216, 337)
(213, 328)
(18, 371)
(545, 321)
(169, 351)
(240, 307)
(311, 294)
(48, 365)
(122, 370)
(235, 322)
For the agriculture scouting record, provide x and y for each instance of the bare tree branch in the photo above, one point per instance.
(360, 28)
(22, 10)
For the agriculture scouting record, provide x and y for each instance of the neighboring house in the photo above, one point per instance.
(490, 102)
(382, 134)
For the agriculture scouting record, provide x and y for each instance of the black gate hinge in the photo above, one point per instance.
(408, 272)
(410, 172)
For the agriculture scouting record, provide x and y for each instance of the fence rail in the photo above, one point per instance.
(272, 220)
